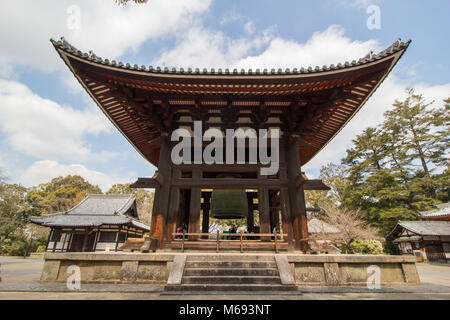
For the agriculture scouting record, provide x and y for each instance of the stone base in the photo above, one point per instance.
(305, 270)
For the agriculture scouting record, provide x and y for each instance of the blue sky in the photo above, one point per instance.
(50, 127)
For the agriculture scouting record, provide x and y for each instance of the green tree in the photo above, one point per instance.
(13, 208)
(391, 169)
(335, 177)
(420, 130)
(60, 194)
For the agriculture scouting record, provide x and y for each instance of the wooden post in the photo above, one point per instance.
(69, 244)
(286, 215)
(64, 242)
(217, 241)
(174, 207)
(55, 242)
(296, 195)
(162, 193)
(251, 217)
(206, 208)
(83, 249)
(97, 235)
(242, 244)
(49, 238)
(263, 207)
(276, 240)
(117, 238)
(182, 241)
(194, 208)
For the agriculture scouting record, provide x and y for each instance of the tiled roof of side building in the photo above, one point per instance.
(94, 211)
(426, 228)
(442, 210)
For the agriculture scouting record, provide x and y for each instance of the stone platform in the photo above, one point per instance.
(231, 271)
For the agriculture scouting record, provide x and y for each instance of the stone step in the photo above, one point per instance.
(230, 264)
(231, 272)
(230, 257)
(230, 280)
(231, 288)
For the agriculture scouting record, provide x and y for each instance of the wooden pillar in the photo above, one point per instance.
(64, 242)
(49, 238)
(55, 242)
(286, 215)
(117, 238)
(251, 215)
(162, 193)
(174, 207)
(296, 195)
(206, 209)
(71, 238)
(97, 235)
(83, 249)
(195, 206)
(264, 212)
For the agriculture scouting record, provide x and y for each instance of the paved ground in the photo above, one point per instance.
(20, 280)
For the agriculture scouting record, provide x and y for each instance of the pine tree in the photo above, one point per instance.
(418, 130)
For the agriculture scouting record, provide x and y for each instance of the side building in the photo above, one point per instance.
(97, 223)
(428, 239)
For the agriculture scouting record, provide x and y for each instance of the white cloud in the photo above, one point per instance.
(105, 27)
(45, 170)
(201, 47)
(44, 129)
(323, 48)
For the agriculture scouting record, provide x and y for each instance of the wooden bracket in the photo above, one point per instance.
(300, 180)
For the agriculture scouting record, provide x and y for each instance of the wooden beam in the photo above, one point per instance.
(315, 184)
(223, 183)
(142, 183)
(300, 179)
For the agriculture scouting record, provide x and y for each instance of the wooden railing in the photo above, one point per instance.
(243, 237)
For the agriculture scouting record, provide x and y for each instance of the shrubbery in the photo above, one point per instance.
(366, 246)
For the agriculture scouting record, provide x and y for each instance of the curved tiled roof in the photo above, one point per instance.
(318, 226)
(423, 228)
(121, 89)
(397, 46)
(94, 211)
(443, 210)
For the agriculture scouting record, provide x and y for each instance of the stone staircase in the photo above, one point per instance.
(230, 273)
